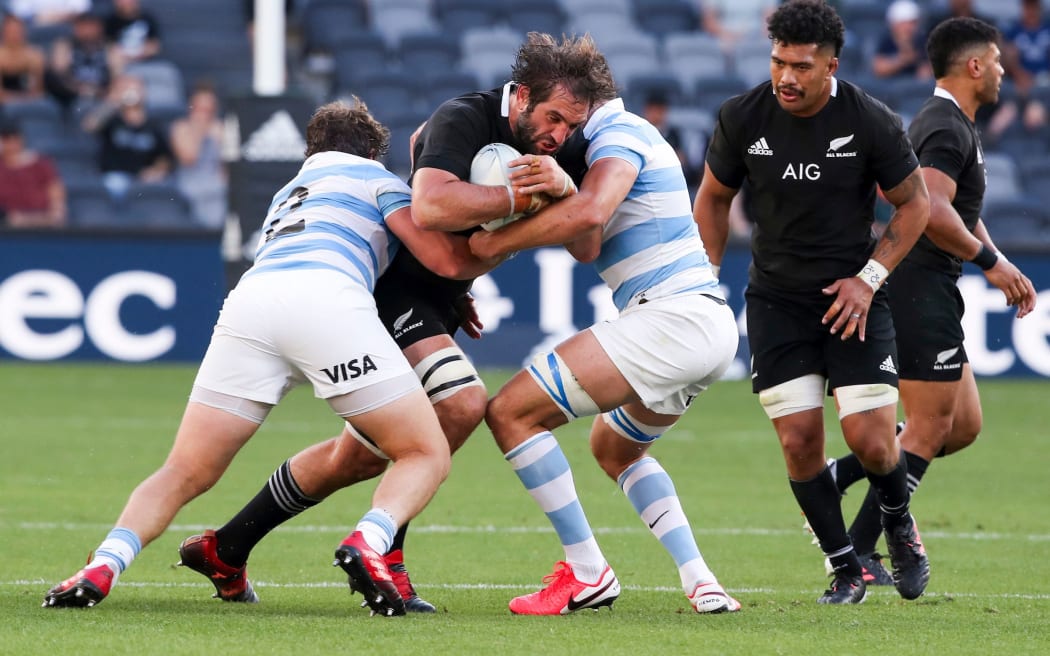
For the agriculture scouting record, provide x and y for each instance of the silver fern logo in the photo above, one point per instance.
(836, 144)
(399, 323)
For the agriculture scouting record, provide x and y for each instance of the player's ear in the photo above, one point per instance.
(523, 95)
(833, 65)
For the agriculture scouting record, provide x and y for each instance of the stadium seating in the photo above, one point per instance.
(165, 87)
(427, 54)
(1017, 222)
(639, 87)
(440, 87)
(159, 205)
(387, 93)
(396, 18)
(90, 206)
(325, 22)
(664, 17)
(1004, 182)
(358, 53)
(489, 53)
(536, 16)
(630, 53)
(459, 16)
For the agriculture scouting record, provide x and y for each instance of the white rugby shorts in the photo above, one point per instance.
(670, 349)
(279, 329)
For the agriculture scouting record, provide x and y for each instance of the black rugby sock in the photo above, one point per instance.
(867, 526)
(399, 538)
(277, 502)
(819, 500)
(892, 491)
(848, 471)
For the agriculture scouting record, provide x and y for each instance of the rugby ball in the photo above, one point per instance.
(489, 167)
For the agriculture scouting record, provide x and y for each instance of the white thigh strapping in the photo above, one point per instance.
(797, 395)
(861, 398)
(670, 349)
(282, 328)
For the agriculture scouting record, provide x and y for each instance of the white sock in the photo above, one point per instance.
(117, 551)
(378, 528)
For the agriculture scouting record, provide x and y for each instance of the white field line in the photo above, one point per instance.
(440, 528)
(510, 587)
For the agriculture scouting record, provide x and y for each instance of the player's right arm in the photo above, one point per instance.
(711, 213)
(948, 232)
(442, 201)
(446, 254)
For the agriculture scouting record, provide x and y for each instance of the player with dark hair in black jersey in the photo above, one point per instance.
(555, 83)
(942, 408)
(813, 149)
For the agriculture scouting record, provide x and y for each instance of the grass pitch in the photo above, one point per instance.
(78, 438)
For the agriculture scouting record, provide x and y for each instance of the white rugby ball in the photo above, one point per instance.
(490, 168)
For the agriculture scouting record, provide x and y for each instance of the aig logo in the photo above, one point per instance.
(28, 297)
(801, 171)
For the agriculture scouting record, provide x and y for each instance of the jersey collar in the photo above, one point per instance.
(504, 106)
(941, 92)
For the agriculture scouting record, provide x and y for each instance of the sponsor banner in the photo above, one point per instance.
(146, 297)
(534, 301)
(93, 297)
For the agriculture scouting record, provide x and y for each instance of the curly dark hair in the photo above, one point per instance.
(543, 63)
(801, 22)
(346, 126)
(953, 39)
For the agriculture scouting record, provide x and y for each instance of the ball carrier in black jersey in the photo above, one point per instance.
(555, 85)
(813, 148)
(942, 407)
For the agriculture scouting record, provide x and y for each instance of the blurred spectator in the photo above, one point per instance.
(734, 20)
(133, 147)
(83, 64)
(21, 63)
(133, 31)
(200, 174)
(901, 50)
(1030, 36)
(655, 110)
(955, 9)
(31, 192)
(39, 13)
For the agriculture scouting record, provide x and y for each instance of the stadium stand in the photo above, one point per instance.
(404, 57)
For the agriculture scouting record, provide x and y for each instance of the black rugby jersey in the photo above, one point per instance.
(454, 133)
(812, 180)
(947, 140)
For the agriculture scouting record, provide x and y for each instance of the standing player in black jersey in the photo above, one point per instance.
(555, 85)
(813, 149)
(942, 408)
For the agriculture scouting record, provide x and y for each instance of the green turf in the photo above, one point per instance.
(78, 438)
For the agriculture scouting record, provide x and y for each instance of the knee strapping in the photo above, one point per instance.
(804, 393)
(632, 429)
(365, 441)
(445, 372)
(555, 378)
(860, 398)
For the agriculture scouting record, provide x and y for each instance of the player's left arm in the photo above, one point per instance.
(853, 295)
(1004, 274)
(446, 254)
(576, 221)
(948, 232)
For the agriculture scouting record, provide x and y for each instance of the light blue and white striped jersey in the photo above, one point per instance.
(332, 215)
(651, 243)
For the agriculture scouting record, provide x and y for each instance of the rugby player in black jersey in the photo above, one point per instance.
(942, 408)
(813, 149)
(555, 84)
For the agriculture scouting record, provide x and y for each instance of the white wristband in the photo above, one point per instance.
(874, 274)
(569, 184)
(715, 268)
(510, 194)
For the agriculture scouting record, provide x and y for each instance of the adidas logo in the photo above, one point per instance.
(760, 147)
(276, 140)
(887, 365)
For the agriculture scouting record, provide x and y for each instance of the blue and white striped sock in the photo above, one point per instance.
(652, 493)
(117, 551)
(542, 467)
(378, 528)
